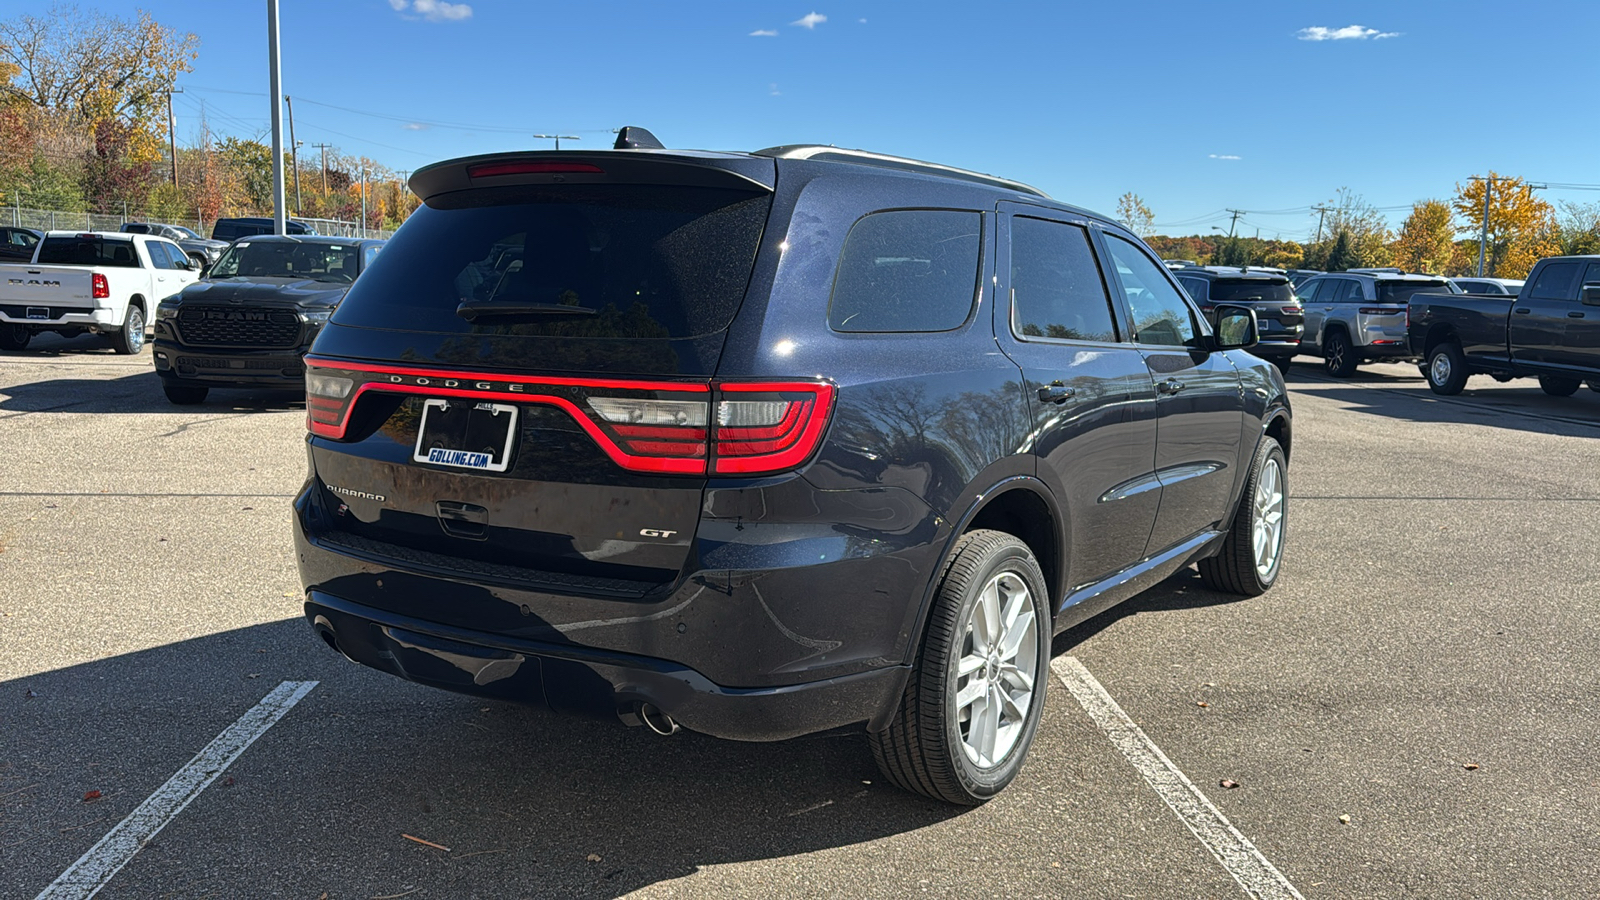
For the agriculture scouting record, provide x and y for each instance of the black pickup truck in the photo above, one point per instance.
(1550, 330)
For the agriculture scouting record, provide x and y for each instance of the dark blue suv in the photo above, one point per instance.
(762, 444)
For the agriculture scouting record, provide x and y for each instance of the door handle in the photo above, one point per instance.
(1170, 386)
(463, 520)
(1523, 310)
(1574, 315)
(1056, 392)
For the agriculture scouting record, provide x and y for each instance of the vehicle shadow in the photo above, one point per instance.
(135, 393)
(1521, 406)
(531, 804)
(49, 345)
(1181, 590)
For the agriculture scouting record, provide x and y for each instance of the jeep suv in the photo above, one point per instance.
(763, 444)
(1267, 291)
(1360, 316)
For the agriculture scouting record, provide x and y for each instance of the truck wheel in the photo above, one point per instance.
(184, 394)
(1446, 369)
(1338, 357)
(973, 703)
(129, 339)
(14, 337)
(1252, 553)
(1556, 386)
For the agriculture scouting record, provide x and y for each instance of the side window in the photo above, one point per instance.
(1592, 276)
(368, 255)
(1342, 290)
(1555, 282)
(1159, 314)
(158, 255)
(176, 255)
(1307, 292)
(1196, 288)
(907, 270)
(1056, 288)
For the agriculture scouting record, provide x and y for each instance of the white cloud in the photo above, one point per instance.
(810, 20)
(1225, 156)
(1347, 33)
(772, 89)
(433, 10)
(862, 21)
(415, 126)
(763, 32)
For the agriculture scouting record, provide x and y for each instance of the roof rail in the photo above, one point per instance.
(829, 153)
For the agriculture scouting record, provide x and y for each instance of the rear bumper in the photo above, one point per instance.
(58, 317)
(590, 682)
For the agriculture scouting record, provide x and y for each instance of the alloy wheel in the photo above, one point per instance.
(135, 329)
(999, 665)
(1267, 519)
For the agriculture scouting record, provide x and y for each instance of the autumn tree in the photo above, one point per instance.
(113, 177)
(1132, 212)
(1365, 230)
(1426, 240)
(1522, 227)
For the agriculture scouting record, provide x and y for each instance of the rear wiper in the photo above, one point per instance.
(473, 310)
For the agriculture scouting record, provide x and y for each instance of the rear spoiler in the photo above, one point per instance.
(688, 168)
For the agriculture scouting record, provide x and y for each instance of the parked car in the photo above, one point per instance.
(1279, 315)
(1298, 277)
(1356, 317)
(1499, 286)
(203, 250)
(228, 230)
(252, 318)
(18, 244)
(723, 441)
(98, 282)
(1550, 330)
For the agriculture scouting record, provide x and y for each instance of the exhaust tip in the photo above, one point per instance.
(656, 720)
(324, 630)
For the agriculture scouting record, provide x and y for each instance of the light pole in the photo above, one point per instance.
(1483, 236)
(558, 138)
(275, 91)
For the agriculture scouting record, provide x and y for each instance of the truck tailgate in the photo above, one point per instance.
(23, 284)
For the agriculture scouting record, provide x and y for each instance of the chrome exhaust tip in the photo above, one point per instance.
(656, 720)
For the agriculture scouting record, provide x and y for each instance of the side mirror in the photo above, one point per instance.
(1590, 294)
(1236, 328)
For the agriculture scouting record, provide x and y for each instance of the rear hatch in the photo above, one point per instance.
(519, 390)
(1384, 322)
(1279, 312)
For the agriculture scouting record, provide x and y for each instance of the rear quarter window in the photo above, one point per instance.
(907, 270)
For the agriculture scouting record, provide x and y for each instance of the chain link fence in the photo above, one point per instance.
(60, 220)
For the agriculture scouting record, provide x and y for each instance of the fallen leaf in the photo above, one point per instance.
(1470, 767)
(1345, 819)
(1202, 703)
(593, 857)
(31, 694)
(91, 795)
(425, 843)
(228, 782)
(1055, 865)
(1226, 783)
(256, 675)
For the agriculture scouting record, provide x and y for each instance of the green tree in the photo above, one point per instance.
(249, 162)
(1341, 256)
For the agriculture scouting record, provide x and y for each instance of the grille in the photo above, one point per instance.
(232, 326)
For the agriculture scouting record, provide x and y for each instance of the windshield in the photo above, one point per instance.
(1401, 291)
(336, 263)
(1255, 289)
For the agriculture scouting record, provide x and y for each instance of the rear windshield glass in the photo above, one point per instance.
(1223, 291)
(76, 251)
(649, 262)
(335, 263)
(1399, 291)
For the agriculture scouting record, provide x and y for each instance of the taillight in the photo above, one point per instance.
(769, 427)
(1206, 308)
(533, 167)
(662, 427)
(102, 288)
(1293, 310)
(1380, 311)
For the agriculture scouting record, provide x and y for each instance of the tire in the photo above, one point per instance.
(1556, 386)
(1283, 363)
(928, 747)
(1244, 565)
(14, 337)
(1338, 356)
(129, 339)
(1446, 369)
(184, 394)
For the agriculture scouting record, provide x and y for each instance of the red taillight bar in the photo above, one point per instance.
(533, 167)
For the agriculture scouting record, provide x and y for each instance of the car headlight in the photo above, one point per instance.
(165, 310)
(316, 316)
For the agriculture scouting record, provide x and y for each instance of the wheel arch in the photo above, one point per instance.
(1439, 333)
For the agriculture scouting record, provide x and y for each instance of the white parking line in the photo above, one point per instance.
(1258, 877)
(84, 878)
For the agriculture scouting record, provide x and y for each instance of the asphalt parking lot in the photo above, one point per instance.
(1426, 667)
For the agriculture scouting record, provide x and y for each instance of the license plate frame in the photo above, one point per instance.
(37, 312)
(464, 434)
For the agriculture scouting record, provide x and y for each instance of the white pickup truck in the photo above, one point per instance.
(98, 282)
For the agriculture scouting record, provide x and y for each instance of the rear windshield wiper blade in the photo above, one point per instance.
(473, 310)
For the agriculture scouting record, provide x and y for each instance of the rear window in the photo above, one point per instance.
(1555, 282)
(907, 270)
(1401, 291)
(650, 261)
(79, 251)
(333, 263)
(1245, 290)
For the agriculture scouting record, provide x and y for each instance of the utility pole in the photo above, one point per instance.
(1321, 212)
(280, 224)
(1236, 214)
(363, 201)
(294, 153)
(324, 148)
(1483, 236)
(558, 138)
(172, 133)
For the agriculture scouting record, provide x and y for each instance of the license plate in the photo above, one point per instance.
(466, 435)
(38, 312)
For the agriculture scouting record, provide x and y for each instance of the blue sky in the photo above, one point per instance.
(1196, 106)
